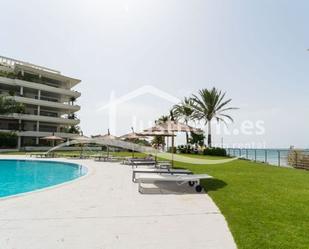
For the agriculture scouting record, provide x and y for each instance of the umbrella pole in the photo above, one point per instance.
(81, 151)
(107, 151)
(173, 150)
(133, 152)
(53, 154)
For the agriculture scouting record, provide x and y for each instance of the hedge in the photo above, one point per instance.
(8, 140)
(216, 151)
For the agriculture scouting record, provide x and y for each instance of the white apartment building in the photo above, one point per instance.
(48, 99)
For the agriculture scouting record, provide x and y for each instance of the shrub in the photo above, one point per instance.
(197, 138)
(8, 140)
(170, 150)
(187, 149)
(216, 151)
(298, 159)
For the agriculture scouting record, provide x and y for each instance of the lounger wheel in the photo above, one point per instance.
(198, 188)
(191, 183)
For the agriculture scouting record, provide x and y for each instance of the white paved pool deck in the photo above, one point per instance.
(104, 210)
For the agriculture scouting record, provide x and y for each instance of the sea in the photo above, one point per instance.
(278, 157)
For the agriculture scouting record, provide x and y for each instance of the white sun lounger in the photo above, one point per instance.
(106, 158)
(40, 154)
(159, 171)
(130, 161)
(193, 180)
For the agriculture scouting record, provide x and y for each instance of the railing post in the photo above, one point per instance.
(247, 153)
(239, 152)
(279, 158)
(255, 155)
(265, 156)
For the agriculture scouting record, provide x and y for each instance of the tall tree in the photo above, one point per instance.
(197, 138)
(209, 105)
(162, 119)
(8, 106)
(158, 141)
(184, 112)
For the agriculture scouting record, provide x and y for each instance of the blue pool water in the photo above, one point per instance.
(20, 176)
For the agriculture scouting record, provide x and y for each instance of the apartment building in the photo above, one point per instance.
(48, 97)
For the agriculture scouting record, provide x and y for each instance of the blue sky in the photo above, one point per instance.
(253, 50)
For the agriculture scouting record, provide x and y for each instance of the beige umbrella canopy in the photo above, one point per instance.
(106, 136)
(152, 133)
(173, 126)
(170, 127)
(52, 138)
(80, 138)
(83, 139)
(131, 136)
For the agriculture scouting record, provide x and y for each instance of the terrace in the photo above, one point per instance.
(105, 210)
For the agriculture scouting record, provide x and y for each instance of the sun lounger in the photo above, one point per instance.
(143, 163)
(130, 160)
(159, 171)
(154, 164)
(40, 154)
(97, 155)
(192, 180)
(100, 157)
(163, 164)
(148, 162)
(105, 158)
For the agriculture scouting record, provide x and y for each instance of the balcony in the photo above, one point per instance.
(27, 71)
(42, 134)
(30, 101)
(37, 86)
(47, 119)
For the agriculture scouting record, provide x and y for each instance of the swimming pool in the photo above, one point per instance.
(21, 176)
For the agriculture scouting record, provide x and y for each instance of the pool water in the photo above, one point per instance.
(20, 176)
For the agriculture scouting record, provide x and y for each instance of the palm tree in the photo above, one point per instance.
(209, 105)
(184, 112)
(159, 140)
(162, 119)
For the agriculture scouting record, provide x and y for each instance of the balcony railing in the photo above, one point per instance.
(38, 86)
(41, 118)
(30, 78)
(12, 62)
(32, 101)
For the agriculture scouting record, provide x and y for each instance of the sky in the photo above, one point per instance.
(255, 51)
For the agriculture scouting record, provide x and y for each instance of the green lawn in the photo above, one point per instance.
(265, 206)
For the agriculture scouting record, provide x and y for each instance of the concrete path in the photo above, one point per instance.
(104, 210)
